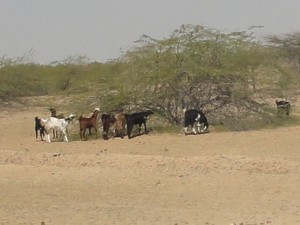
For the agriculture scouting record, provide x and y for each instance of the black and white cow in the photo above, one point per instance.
(196, 119)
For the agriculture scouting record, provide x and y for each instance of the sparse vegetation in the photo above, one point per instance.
(225, 75)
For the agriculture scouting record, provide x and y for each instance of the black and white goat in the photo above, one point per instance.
(196, 119)
(283, 106)
(53, 123)
(39, 128)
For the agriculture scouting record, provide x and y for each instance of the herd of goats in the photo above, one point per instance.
(121, 123)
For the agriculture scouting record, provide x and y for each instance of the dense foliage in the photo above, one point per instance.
(229, 76)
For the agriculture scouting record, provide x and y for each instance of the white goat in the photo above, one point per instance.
(53, 123)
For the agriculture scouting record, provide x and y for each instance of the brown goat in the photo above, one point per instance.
(119, 125)
(88, 123)
(108, 120)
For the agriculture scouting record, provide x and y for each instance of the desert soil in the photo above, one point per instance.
(219, 178)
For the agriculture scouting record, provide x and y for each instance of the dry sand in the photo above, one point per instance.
(156, 179)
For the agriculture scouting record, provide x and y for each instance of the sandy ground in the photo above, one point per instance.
(248, 178)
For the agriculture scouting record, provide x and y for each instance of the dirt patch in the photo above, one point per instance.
(217, 178)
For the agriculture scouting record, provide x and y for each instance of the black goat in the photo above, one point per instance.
(39, 128)
(137, 118)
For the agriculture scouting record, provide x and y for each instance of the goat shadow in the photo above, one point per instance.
(191, 133)
(136, 134)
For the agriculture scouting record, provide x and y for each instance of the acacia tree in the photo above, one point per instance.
(289, 43)
(289, 52)
(196, 67)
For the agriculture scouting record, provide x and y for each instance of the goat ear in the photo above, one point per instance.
(72, 116)
(69, 119)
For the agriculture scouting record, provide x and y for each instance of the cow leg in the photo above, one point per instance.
(204, 128)
(105, 132)
(47, 136)
(198, 127)
(122, 133)
(64, 133)
(201, 128)
(48, 140)
(194, 129)
(96, 131)
(115, 134)
(36, 133)
(124, 130)
(146, 131)
(57, 133)
(185, 130)
(42, 134)
(129, 130)
(83, 134)
(105, 135)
